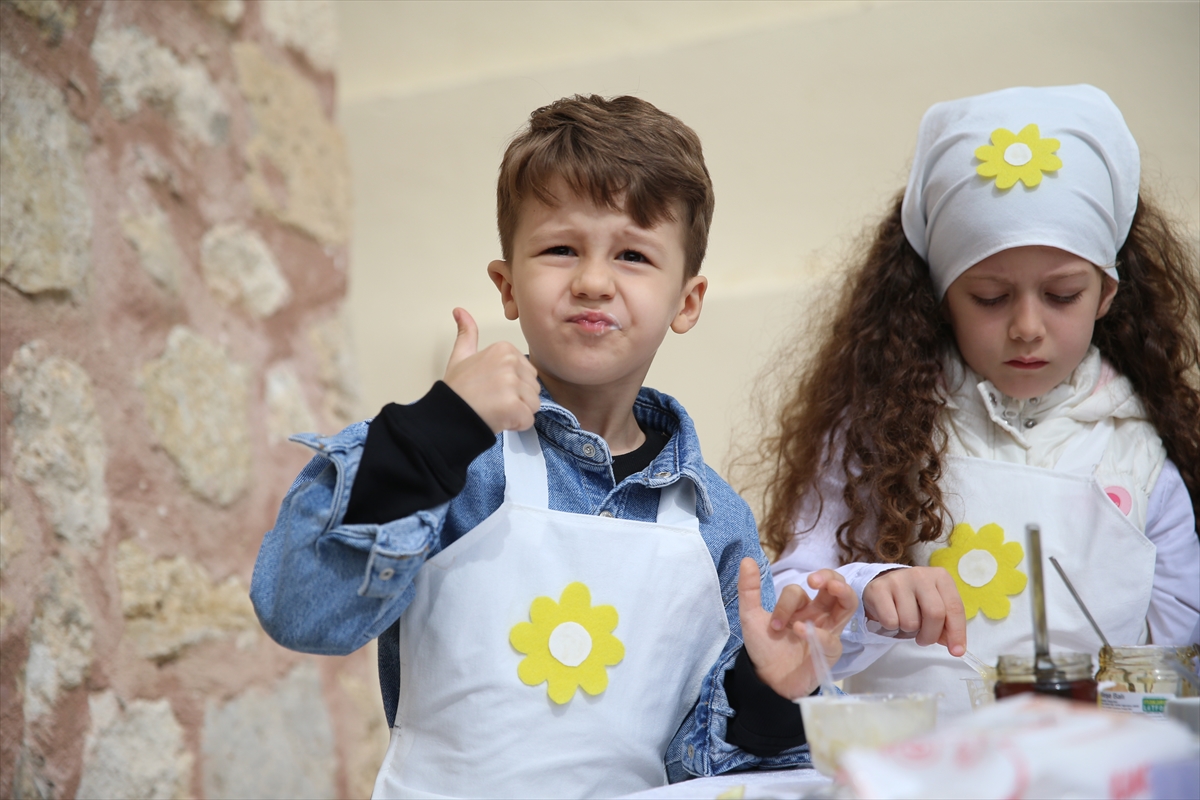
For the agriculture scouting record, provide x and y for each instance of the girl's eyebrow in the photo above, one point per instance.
(1070, 272)
(996, 279)
(1058, 274)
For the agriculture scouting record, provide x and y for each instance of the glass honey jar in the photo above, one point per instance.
(1069, 676)
(1141, 679)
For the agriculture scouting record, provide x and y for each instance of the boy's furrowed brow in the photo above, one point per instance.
(551, 234)
(650, 238)
(632, 233)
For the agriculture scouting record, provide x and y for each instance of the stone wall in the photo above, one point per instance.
(174, 211)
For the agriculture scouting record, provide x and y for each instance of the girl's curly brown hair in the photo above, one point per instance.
(868, 403)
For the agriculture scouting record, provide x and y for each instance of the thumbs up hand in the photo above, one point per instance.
(498, 383)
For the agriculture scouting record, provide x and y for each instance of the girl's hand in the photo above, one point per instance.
(776, 642)
(921, 600)
(498, 382)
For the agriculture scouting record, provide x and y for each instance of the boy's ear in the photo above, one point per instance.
(501, 274)
(693, 300)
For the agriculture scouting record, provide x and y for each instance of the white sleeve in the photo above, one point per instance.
(811, 550)
(1170, 524)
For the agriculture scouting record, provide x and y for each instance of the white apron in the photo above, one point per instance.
(1110, 562)
(549, 654)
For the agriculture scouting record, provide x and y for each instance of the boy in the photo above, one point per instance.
(550, 567)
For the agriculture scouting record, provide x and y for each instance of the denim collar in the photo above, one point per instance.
(680, 457)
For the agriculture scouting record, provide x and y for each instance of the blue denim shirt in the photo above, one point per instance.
(324, 587)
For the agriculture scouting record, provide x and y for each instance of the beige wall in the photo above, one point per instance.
(808, 113)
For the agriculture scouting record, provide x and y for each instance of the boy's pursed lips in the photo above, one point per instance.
(595, 321)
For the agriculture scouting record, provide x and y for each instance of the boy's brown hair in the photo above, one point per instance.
(622, 153)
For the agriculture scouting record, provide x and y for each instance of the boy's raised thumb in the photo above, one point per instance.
(467, 342)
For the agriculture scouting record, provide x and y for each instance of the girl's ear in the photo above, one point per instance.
(1108, 290)
(501, 274)
(692, 301)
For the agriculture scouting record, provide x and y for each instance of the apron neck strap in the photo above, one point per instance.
(677, 505)
(525, 481)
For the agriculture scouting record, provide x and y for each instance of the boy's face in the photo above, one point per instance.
(1023, 318)
(595, 292)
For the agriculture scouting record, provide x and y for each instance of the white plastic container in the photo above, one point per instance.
(835, 723)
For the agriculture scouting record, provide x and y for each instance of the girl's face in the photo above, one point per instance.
(1023, 317)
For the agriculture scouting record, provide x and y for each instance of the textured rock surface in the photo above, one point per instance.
(12, 542)
(287, 410)
(298, 168)
(240, 269)
(228, 11)
(196, 400)
(150, 164)
(60, 641)
(305, 25)
(136, 69)
(52, 17)
(134, 750)
(57, 443)
(330, 342)
(169, 604)
(30, 781)
(149, 232)
(45, 219)
(271, 744)
(369, 743)
(141, 387)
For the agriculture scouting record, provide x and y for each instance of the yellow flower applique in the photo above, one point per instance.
(1022, 156)
(567, 644)
(984, 567)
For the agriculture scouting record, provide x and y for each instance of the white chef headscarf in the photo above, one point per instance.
(1053, 166)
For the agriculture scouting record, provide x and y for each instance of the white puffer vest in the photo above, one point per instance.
(984, 423)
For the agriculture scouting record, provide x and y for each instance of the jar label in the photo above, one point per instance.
(1154, 705)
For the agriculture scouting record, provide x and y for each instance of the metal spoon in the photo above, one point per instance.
(1041, 639)
(1079, 601)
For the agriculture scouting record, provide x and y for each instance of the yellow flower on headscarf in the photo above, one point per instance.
(1022, 156)
(984, 567)
(567, 644)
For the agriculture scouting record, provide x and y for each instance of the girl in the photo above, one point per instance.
(1019, 345)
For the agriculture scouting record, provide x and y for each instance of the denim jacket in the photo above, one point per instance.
(321, 586)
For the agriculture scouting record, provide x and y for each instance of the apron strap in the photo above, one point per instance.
(525, 481)
(677, 505)
(1083, 453)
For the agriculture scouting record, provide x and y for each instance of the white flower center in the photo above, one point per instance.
(1018, 154)
(977, 568)
(570, 643)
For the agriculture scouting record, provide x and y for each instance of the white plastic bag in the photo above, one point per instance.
(1024, 747)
